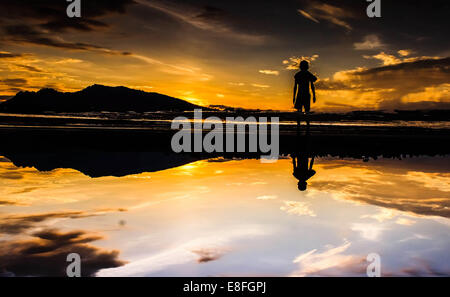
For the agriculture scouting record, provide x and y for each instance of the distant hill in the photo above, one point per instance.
(94, 98)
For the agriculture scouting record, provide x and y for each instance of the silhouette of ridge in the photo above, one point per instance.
(94, 98)
(98, 164)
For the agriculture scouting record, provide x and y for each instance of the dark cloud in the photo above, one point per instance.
(211, 13)
(415, 75)
(82, 25)
(27, 190)
(318, 11)
(51, 14)
(28, 34)
(333, 85)
(398, 81)
(19, 224)
(11, 175)
(16, 224)
(422, 272)
(46, 254)
(208, 255)
(440, 66)
(206, 18)
(14, 82)
(419, 267)
(15, 90)
(6, 202)
(5, 55)
(29, 68)
(40, 20)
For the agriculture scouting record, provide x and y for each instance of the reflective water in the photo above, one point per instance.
(103, 119)
(222, 217)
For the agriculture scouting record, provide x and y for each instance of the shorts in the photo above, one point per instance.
(303, 102)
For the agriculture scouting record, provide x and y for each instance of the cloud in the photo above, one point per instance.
(6, 55)
(383, 215)
(82, 24)
(388, 59)
(404, 53)
(42, 21)
(419, 63)
(16, 224)
(205, 18)
(369, 42)
(422, 193)
(7, 202)
(11, 175)
(317, 11)
(269, 72)
(174, 69)
(208, 254)
(386, 214)
(418, 267)
(368, 231)
(181, 254)
(335, 262)
(29, 68)
(405, 222)
(308, 16)
(418, 82)
(51, 15)
(30, 35)
(14, 82)
(385, 58)
(45, 254)
(267, 197)
(331, 262)
(261, 86)
(297, 208)
(422, 268)
(293, 63)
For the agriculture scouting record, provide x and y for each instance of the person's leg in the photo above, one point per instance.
(307, 105)
(298, 113)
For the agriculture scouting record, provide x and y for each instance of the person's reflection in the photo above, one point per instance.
(303, 160)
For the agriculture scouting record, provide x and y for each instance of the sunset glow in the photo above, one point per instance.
(238, 54)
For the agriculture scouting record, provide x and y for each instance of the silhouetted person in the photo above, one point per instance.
(303, 169)
(303, 160)
(302, 96)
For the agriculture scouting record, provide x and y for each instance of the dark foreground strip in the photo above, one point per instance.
(223, 286)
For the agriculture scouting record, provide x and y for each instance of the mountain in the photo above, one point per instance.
(98, 164)
(94, 98)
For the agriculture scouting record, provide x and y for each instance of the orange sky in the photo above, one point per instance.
(242, 56)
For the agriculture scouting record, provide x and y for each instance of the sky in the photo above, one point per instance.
(233, 53)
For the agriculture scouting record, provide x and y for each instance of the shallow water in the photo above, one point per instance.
(159, 119)
(222, 217)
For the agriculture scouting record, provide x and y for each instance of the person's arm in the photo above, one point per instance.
(295, 91)
(313, 88)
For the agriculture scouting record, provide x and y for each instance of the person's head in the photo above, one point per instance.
(304, 65)
(302, 185)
